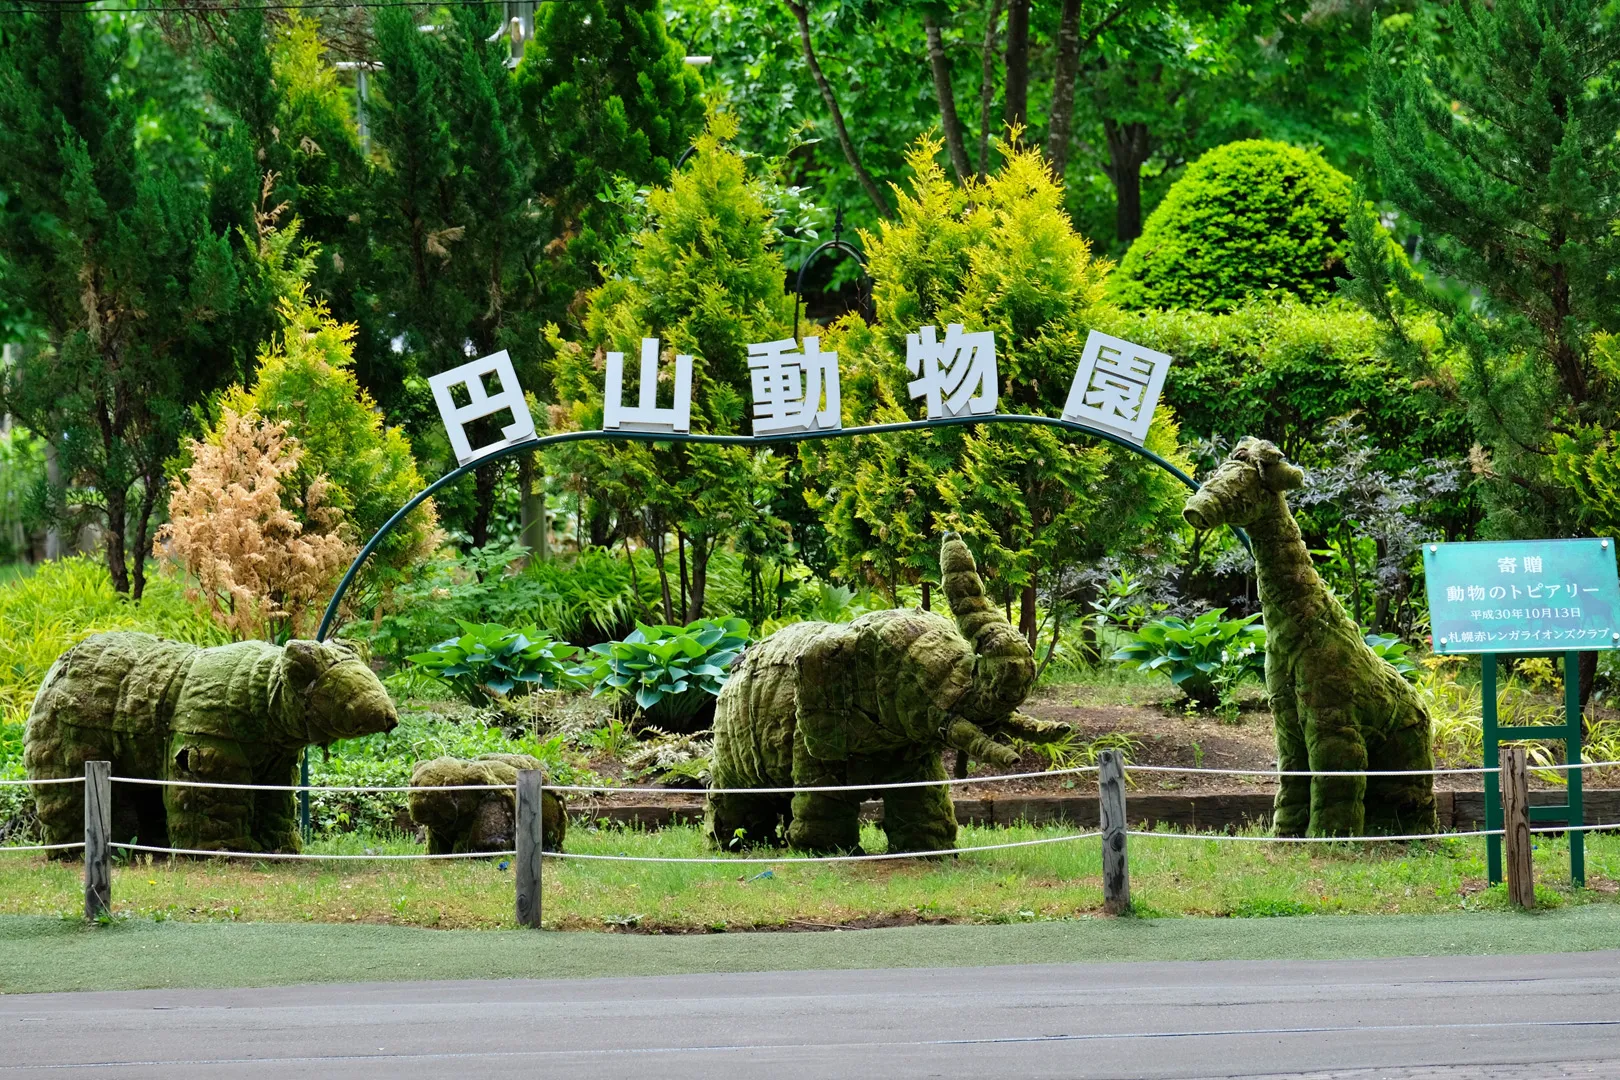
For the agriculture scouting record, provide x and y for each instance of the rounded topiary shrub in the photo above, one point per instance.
(1246, 218)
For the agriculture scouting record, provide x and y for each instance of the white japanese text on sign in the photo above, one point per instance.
(956, 376)
(647, 416)
(789, 387)
(1116, 386)
(481, 403)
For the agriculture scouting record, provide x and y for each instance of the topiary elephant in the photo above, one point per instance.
(458, 820)
(1338, 706)
(869, 702)
(164, 710)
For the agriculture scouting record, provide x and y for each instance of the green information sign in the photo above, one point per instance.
(1523, 596)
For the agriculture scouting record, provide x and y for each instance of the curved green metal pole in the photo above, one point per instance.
(457, 473)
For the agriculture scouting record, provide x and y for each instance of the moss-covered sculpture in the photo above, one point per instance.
(163, 710)
(458, 820)
(1338, 707)
(873, 701)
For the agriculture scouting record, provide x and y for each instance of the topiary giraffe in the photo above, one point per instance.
(1338, 707)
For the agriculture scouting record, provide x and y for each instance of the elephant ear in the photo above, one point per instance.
(827, 692)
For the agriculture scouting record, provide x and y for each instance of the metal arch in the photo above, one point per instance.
(723, 440)
(835, 244)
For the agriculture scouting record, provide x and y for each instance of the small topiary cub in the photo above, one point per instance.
(459, 821)
(164, 710)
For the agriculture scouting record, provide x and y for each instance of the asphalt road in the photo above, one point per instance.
(1448, 1018)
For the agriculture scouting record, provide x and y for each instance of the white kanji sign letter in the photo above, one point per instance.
(481, 403)
(955, 376)
(647, 416)
(789, 386)
(1116, 386)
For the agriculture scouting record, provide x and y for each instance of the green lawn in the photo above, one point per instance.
(1169, 877)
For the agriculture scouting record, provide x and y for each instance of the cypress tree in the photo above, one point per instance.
(455, 223)
(105, 245)
(606, 94)
(1502, 152)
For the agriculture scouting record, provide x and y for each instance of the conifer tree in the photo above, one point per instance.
(996, 255)
(455, 223)
(106, 246)
(606, 94)
(1503, 155)
(707, 282)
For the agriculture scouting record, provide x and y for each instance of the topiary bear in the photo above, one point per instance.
(164, 710)
(869, 702)
(458, 820)
(1338, 706)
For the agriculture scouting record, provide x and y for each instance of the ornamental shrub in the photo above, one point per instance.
(1001, 255)
(307, 383)
(1246, 218)
(1283, 369)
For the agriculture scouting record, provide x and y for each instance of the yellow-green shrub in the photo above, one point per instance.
(42, 615)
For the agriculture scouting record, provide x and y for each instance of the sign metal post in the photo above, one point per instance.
(1526, 597)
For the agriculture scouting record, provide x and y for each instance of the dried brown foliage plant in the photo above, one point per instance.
(262, 553)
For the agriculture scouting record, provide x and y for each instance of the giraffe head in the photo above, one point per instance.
(1244, 488)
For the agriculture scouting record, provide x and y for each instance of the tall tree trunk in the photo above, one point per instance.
(152, 487)
(680, 546)
(117, 522)
(801, 13)
(1061, 121)
(1128, 147)
(987, 82)
(531, 510)
(945, 94)
(485, 480)
(927, 595)
(1017, 95)
(1028, 625)
(701, 550)
(1587, 669)
(54, 488)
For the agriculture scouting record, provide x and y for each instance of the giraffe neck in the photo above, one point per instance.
(1292, 594)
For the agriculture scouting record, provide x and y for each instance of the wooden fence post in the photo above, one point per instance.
(530, 783)
(1521, 880)
(1111, 814)
(97, 834)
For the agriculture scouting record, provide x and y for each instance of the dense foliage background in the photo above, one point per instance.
(1382, 234)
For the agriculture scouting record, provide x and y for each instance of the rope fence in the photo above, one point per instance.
(528, 853)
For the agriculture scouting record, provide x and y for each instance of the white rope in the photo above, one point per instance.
(1582, 765)
(304, 856)
(820, 858)
(947, 782)
(310, 787)
(40, 847)
(1577, 828)
(1308, 839)
(1351, 772)
(42, 783)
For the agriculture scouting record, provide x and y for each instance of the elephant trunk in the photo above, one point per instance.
(1006, 668)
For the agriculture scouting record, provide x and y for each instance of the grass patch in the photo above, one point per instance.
(1170, 878)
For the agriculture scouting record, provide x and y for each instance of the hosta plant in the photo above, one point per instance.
(489, 661)
(1205, 657)
(671, 671)
(1392, 650)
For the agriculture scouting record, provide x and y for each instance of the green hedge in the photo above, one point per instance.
(1280, 369)
(1245, 219)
